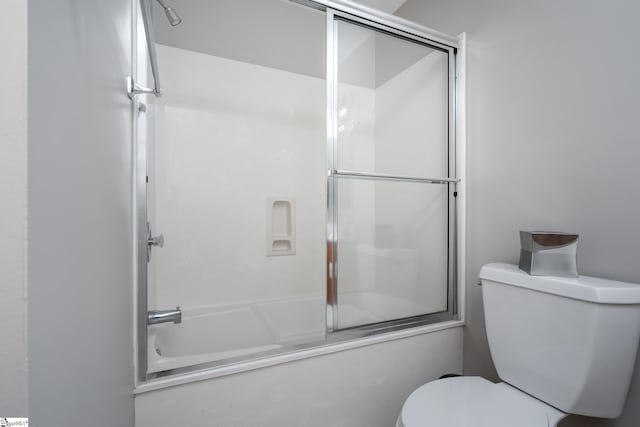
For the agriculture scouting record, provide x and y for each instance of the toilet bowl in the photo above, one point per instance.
(474, 401)
(561, 345)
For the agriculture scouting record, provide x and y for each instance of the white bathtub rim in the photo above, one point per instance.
(163, 363)
(249, 365)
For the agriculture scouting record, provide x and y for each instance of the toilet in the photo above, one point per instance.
(560, 345)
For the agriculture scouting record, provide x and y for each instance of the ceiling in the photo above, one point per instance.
(271, 33)
(283, 35)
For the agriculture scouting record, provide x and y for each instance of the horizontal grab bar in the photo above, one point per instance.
(387, 177)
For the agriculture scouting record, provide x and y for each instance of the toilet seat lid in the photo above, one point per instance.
(474, 402)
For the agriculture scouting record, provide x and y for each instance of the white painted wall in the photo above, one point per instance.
(13, 199)
(80, 231)
(364, 387)
(552, 139)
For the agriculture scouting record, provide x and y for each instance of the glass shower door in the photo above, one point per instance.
(236, 182)
(290, 222)
(390, 223)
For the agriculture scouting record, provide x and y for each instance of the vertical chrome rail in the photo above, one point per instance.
(145, 8)
(452, 244)
(140, 138)
(141, 255)
(332, 135)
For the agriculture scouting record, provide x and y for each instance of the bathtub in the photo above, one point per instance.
(214, 333)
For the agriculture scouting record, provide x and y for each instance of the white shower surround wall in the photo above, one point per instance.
(226, 144)
(230, 135)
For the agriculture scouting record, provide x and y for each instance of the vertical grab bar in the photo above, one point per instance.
(145, 8)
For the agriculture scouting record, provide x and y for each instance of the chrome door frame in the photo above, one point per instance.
(406, 32)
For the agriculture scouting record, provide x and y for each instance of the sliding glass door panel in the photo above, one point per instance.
(391, 251)
(236, 182)
(391, 226)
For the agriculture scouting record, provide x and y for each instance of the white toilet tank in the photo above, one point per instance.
(570, 342)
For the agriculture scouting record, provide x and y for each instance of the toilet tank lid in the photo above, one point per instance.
(585, 288)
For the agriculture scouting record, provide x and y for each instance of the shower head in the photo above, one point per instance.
(172, 16)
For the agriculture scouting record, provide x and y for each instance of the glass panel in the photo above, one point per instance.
(237, 181)
(392, 250)
(392, 104)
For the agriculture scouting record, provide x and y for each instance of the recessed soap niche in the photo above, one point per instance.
(281, 226)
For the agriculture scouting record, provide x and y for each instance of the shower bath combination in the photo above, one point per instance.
(353, 139)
